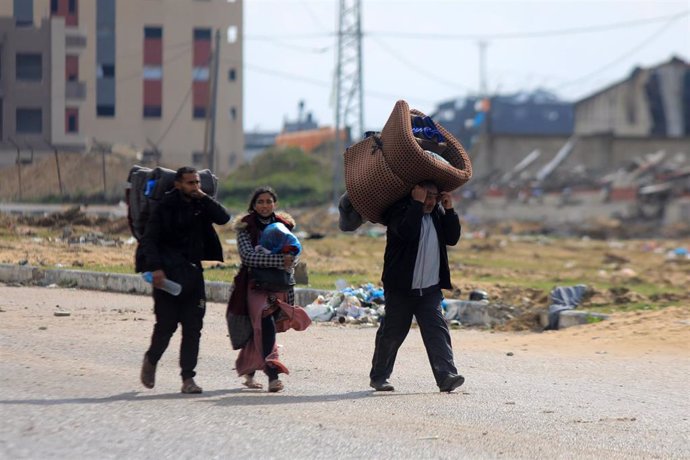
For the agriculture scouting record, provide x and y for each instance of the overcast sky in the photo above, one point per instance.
(427, 51)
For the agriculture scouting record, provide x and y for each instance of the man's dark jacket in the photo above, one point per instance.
(181, 231)
(404, 222)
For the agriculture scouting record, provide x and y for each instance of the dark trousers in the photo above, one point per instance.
(400, 307)
(170, 310)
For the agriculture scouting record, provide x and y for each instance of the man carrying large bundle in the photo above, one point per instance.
(414, 272)
(398, 177)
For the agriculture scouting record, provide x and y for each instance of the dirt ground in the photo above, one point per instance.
(626, 278)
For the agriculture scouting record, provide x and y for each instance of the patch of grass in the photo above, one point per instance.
(123, 269)
(594, 319)
(320, 280)
(67, 283)
(300, 179)
(627, 307)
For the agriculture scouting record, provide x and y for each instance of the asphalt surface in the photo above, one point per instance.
(70, 389)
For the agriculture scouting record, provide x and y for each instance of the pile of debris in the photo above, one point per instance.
(363, 305)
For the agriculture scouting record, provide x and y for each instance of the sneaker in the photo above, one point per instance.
(451, 383)
(190, 387)
(383, 385)
(148, 373)
(274, 386)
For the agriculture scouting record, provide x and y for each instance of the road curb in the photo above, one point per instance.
(216, 291)
(469, 313)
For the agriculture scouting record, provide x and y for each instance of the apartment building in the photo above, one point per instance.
(79, 73)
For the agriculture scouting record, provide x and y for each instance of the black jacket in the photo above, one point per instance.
(180, 230)
(404, 221)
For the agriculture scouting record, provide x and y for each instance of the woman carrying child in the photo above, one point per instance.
(263, 307)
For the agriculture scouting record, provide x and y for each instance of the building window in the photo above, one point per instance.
(198, 159)
(54, 6)
(153, 32)
(105, 110)
(200, 74)
(72, 6)
(199, 112)
(231, 75)
(71, 120)
(153, 72)
(29, 121)
(105, 71)
(202, 34)
(23, 13)
(152, 111)
(233, 114)
(232, 34)
(29, 67)
(72, 67)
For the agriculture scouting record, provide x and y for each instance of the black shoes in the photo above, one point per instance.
(148, 373)
(383, 385)
(451, 383)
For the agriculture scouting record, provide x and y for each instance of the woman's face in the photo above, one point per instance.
(264, 205)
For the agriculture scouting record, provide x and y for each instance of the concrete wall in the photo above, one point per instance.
(622, 109)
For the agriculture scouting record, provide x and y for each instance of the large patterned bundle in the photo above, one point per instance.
(381, 169)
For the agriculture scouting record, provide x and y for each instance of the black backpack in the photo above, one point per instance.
(146, 187)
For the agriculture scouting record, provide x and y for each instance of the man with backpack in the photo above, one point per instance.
(179, 234)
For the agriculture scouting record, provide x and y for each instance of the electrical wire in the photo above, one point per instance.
(172, 58)
(533, 34)
(322, 83)
(307, 49)
(177, 114)
(179, 109)
(495, 36)
(418, 68)
(622, 57)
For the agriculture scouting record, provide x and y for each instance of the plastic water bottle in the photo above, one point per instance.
(169, 285)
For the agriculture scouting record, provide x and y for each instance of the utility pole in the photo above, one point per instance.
(485, 151)
(212, 103)
(101, 148)
(482, 68)
(349, 101)
(19, 166)
(105, 187)
(57, 163)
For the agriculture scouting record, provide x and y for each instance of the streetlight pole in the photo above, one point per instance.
(19, 166)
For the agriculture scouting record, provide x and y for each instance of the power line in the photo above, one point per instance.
(179, 109)
(165, 61)
(171, 47)
(474, 37)
(633, 50)
(307, 49)
(533, 34)
(314, 81)
(177, 114)
(291, 37)
(417, 68)
(314, 18)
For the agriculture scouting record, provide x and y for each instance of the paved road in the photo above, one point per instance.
(70, 390)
